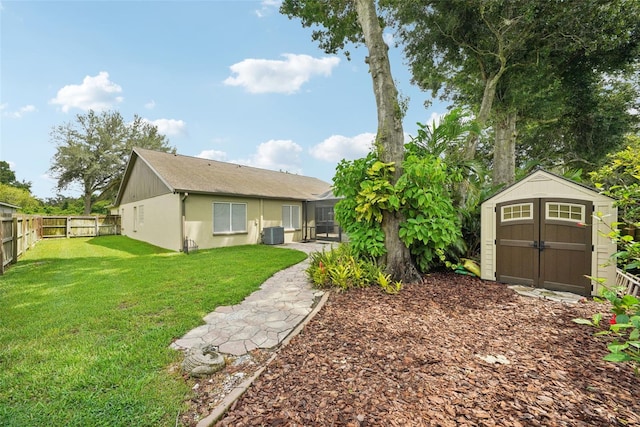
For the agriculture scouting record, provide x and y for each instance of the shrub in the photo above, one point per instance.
(420, 195)
(344, 269)
(624, 322)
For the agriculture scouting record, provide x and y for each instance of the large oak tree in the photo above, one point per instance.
(92, 152)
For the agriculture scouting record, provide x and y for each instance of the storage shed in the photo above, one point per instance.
(541, 232)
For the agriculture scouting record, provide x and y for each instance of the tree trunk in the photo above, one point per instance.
(488, 96)
(390, 136)
(87, 203)
(504, 150)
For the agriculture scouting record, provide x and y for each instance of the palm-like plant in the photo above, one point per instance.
(447, 139)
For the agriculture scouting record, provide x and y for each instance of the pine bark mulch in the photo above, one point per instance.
(452, 351)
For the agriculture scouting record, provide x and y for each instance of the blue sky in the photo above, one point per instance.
(228, 80)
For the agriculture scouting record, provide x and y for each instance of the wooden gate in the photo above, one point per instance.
(545, 243)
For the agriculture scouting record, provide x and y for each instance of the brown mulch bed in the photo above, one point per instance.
(370, 359)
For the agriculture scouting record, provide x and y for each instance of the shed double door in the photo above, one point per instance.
(545, 243)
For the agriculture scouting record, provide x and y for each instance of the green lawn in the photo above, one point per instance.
(86, 324)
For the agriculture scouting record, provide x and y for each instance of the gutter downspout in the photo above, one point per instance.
(183, 228)
(305, 210)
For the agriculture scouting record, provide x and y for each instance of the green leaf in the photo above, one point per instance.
(616, 357)
(630, 300)
(622, 319)
(581, 321)
(617, 347)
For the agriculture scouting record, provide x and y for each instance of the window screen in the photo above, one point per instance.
(291, 217)
(229, 217)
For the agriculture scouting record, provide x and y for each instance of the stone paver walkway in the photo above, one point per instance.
(265, 317)
(557, 296)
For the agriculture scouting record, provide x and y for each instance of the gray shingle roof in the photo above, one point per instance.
(193, 174)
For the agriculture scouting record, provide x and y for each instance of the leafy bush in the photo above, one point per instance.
(619, 178)
(366, 237)
(420, 195)
(342, 268)
(624, 322)
(624, 325)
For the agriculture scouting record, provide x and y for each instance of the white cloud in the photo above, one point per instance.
(338, 147)
(95, 93)
(279, 76)
(281, 155)
(267, 6)
(213, 155)
(150, 105)
(435, 119)
(20, 112)
(169, 127)
(388, 38)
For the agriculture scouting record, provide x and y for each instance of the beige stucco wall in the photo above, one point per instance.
(542, 185)
(261, 213)
(161, 222)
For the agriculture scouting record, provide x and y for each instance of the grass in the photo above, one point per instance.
(86, 324)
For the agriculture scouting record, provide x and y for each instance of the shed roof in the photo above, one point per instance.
(544, 175)
(7, 205)
(196, 175)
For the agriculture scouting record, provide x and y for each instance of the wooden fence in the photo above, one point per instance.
(80, 226)
(19, 233)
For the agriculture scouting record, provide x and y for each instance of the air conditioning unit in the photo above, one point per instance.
(273, 236)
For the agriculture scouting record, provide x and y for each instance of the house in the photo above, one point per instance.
(171, 200)
(541, 232)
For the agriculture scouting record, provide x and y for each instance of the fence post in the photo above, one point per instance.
(14, 244)
(2, 246)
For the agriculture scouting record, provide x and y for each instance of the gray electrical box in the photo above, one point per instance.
(273, 236)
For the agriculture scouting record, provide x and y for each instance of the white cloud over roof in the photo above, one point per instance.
(169, 127)
(280, 155)
(94, 93)
(279, 76)
(218, 155)
(338, 147)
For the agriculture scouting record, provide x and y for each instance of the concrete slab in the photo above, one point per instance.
(557, 296)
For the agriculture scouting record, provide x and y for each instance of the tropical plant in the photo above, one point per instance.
(421, 196)
(345, 269)
(619, 178)
(624, 322)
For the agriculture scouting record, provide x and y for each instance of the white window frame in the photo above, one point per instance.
(519, 210)
(230, 229)
(293, 212)
(574, 216)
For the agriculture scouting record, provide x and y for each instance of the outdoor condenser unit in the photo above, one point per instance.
(273, 236)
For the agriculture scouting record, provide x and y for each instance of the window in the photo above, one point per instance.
(291, 217)
(517, 212)
(229, 218)
(565, 212)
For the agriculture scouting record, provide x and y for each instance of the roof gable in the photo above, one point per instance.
(542, 183)
(196, 175)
